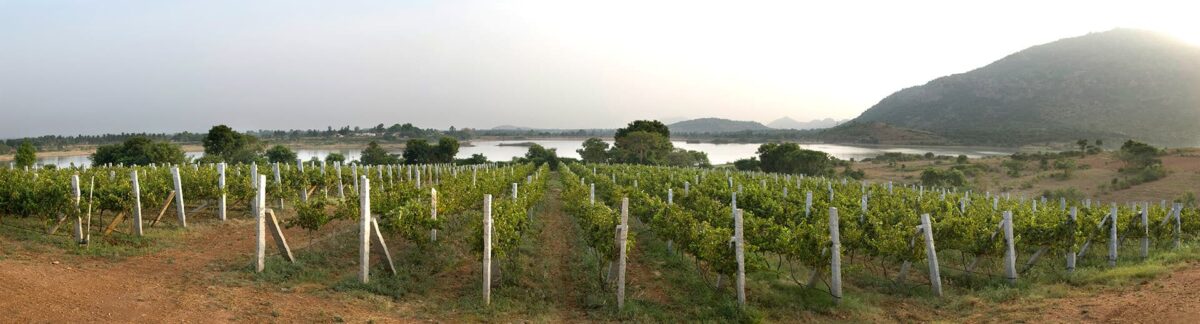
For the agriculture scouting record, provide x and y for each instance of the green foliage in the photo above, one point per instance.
(1070, 194)
(139, 151)
(223, 144)
(962, 159)
(687, 158)
(751, 164)
(649, 126)
(1014, 167)
(376, 155)
(790, 158)
(26, 155)
(335, 157)
(419, 151)
(642, 147)
(594, 150)
(445, 151)
(416, 151)
(476, 158)
(1066, 167)
(1137, 155)
(281, 154)
(539, 155)
(943, 178)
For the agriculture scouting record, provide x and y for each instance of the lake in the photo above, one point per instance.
(717, 153)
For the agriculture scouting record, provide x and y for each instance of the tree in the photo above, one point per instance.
(418, 151)
(943, 178)
(642, 148)
(594, 150)
(650, 126)
(1082, 144)
(790, 158)
(962, 159)
(642, 142)
(335, 157)
(687, 158)
(445, 151)
(539, 155)
(375, 155)
(1014, 167)
(751, 164)
(26, 155)
(281, 154)
(1138, 155)
(223, 144)
(476, 158)
(139, 150)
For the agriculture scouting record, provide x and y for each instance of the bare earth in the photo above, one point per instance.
(1170, 298)
(180, 284)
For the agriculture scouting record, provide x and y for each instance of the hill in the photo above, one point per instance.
(789, 123)
(880, 133)
(1114, 85)
(715, 125)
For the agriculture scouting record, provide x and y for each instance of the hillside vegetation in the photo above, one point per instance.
(1118, 85)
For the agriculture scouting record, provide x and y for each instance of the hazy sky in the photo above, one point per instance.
(71, 67)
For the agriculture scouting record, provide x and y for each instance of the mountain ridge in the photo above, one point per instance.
(1117, 84)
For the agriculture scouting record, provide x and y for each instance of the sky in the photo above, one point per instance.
(90, 67)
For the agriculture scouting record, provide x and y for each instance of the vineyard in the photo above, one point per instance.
(748, 237)
(793, 223)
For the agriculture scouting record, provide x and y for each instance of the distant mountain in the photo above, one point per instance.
(1114, 85)
(715, 125)
(789, 123)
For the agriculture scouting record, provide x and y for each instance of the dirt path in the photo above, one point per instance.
(558, 249)
(179, 284)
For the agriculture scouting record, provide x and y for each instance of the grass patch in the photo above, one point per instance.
(29, 233)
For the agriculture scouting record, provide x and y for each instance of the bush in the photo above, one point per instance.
(943, 178)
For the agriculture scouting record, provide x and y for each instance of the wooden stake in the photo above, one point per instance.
(113, 225)
(166, 204)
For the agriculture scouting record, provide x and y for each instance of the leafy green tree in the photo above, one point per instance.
(1138, 155)
(790, 158)
(642, 148)
(223, 144)
(1014, 167)
(751, 164)
(418, 151)
(26, 155)
(688, 158)
(445, 151)
(539, 155)
(139, 150)
(1082, 145)
(375, 155)
(650, 126)
(281, 154)
(962, 159)
(476, 158)
(595, 150)
(943, 178)
(335, 157)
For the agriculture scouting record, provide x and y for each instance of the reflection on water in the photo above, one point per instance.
(717, 153)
